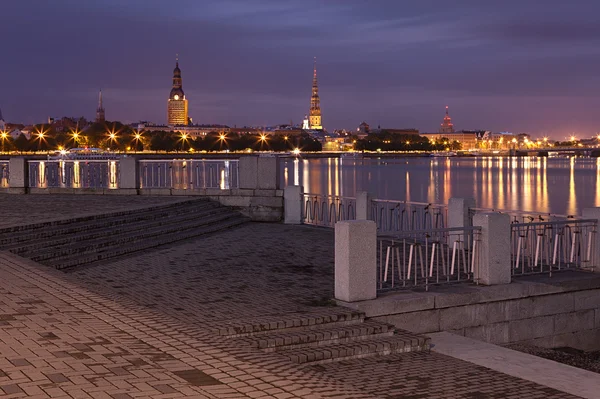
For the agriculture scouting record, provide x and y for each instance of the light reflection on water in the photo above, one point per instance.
(546, 185)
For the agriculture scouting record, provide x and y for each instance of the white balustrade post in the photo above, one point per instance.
(594, 213)
(18, 175)
(355, 260)
(363, 205)
(292, 204)
(129, 178)
(494, 266)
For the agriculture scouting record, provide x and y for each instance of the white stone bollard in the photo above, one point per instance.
(18, 179)
(594, 213)
(292, 204)
(494, 248)
(129, 173)
(363, 205)
(355, 260)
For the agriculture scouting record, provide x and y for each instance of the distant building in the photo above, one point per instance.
(2, 122)
(315, 104)
(305, 123)
(467, 139)
(177, 105)
(363, 130)
(447, 126)
(100, 116)
(380, 130)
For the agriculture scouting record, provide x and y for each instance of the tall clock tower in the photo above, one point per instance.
(177, 105)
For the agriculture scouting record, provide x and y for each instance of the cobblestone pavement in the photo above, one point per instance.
(68, 206)
(260, 269)
(143, 326)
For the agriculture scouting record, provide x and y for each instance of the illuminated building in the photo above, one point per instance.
(447, 126)
(100, 117)
(177, 105)
(315, 104)
(305, 123)
(2, 123)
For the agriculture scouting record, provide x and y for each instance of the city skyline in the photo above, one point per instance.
(500, 68)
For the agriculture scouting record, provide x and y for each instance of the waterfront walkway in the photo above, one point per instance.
(144, 326)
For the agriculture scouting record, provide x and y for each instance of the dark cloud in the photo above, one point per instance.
(512, 65)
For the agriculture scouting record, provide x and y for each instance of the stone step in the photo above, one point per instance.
(77, 226)
(325, 335)
(94, 233)
(215, 216)
(11, 231)
(400, 342)
(290, 322)
(120, 250)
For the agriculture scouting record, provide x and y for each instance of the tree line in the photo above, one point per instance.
(115, 136)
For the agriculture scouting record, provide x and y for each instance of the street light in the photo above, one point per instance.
(4, 136)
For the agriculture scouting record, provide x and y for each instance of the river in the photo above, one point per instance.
(544, 185)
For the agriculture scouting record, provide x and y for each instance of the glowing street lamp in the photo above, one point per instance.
(296, 151)
(4, 136)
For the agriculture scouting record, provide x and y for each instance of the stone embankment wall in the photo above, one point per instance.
(257, 197)
(561, 311)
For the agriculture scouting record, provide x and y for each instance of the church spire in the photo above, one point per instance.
(447, 126)
(315, 102)
(100, 117)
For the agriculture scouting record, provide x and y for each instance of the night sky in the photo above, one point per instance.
(519, 66)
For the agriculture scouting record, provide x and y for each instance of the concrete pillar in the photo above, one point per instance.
(292, 204)
(355, 260)
(129, 173)
(458, 212)
(494, 266)
(248, 172)
(18, 178)
(594, 213)
(363, 205)
(268, 173)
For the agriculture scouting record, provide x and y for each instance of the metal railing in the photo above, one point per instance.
(74, 174)
(189, 174)
(422, 258)
(4, 173)
(524, 216)
(397, 216)
(546, 247)
(326, 210)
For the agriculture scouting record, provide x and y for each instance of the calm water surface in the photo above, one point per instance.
(545, 185)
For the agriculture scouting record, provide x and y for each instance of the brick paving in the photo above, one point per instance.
(144, 326)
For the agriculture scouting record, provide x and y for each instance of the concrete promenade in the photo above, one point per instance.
(144, 325)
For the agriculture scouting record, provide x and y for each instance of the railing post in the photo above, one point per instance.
(129, 178)
(293, 196)
(268, 173)
(363, 205)
(248, 168)
(18, 178)
(355, 260)
(495, 265)
(458, 213)
(594, 213)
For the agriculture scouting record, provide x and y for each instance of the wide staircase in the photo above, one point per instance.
(322, 336)
(78, 241)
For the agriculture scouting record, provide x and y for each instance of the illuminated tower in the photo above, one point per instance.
(2, 123)
(447, 126)
(315, 103)
(100, 118)
(177, 105)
